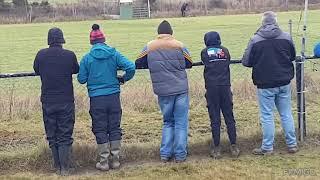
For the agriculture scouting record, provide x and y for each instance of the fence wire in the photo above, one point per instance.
(20, 95)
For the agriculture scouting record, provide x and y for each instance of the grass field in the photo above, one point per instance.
(25, 155)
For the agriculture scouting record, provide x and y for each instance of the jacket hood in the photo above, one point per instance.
(269, 31)
(212, 39)
(55, 36)
(102, 51)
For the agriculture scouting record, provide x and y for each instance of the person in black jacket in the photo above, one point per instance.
(184, 8)
(270, 54)
(55, 66)
(216, 60)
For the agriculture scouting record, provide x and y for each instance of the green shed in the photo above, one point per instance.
(126, 9)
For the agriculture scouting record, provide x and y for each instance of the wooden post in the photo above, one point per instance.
(205, 7)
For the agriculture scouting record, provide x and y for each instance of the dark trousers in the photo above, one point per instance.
(183, 13)
(219, 98)
(106, 115)
(59, 121)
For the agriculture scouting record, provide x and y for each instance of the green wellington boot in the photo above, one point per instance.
(115, 151)
(104, 153)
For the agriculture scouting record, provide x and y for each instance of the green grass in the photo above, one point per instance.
(20, 43)
(25, 155)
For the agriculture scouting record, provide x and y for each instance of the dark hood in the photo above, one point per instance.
(269, 31)
(212, 39)
(55, 37)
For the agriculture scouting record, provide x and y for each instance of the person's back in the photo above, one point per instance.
(55, 66)
(167, 60)
(167, 65)
(102, 63)
(216, 59)
(270, 53)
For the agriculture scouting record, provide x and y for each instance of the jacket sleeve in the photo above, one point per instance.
(187, 57)
(142, 60)
(75, 65)
(83, 71)
(246, 59)
(228, 54)
(124, 64)
(203, 57)
(36, 65)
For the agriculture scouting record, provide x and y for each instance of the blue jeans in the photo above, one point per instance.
(281, 98)
(175, 126)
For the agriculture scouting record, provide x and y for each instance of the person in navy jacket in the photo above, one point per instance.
(55, 65)
(216, 60)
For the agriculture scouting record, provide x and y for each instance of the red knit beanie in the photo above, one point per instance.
(96, 35)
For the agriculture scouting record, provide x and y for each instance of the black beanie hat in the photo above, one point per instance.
(165, 28)
(55, 36)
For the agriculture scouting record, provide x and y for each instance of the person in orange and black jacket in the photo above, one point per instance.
(55, 65)
(216, 60)
(167, 60)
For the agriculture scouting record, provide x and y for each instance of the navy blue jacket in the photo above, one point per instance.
(55, 66)
(216, 60)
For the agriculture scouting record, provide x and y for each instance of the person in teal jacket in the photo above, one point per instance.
(99, 69)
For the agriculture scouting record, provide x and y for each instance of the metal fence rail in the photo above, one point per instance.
(19, 90)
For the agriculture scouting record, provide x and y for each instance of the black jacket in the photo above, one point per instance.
(216, 59)
(55, 66)
(270, 53)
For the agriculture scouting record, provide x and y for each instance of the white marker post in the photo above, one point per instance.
(149, 9)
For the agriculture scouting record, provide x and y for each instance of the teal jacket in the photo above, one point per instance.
(99, 69)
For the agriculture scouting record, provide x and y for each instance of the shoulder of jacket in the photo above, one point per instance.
(256, 38)
(44, 50)
(286, 36)
(69, 52)
(179, 43)
(224, 48)
(86, 57)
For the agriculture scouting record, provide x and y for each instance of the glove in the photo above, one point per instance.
(121, 80)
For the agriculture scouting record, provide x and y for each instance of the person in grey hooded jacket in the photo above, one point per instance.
(270, 54)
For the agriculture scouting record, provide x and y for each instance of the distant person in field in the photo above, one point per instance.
(270, 54)
(216, 60)
(99, 69)
(184, 8)
(55, 66)
(316, 50)
(167, 60)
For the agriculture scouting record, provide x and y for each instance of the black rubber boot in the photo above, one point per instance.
(64, 157)
(55, 158)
